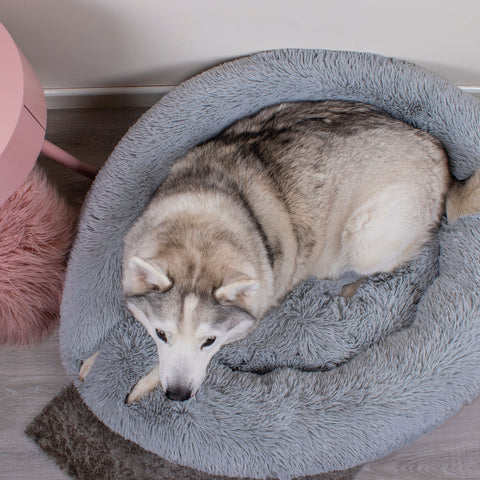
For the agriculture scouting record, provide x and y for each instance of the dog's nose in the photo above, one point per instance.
(178, 394)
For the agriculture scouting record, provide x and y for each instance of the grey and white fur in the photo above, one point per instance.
(300, 189)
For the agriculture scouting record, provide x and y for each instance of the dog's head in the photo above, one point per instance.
(188, 325)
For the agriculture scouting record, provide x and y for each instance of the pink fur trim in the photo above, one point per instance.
(36, 232)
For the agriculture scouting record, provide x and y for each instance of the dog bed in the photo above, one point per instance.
(324, 383)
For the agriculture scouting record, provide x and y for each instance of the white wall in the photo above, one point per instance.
(95, 43)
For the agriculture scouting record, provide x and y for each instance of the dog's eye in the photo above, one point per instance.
(209, 341)
(161, 335)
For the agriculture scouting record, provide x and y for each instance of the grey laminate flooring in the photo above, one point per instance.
(30, 377)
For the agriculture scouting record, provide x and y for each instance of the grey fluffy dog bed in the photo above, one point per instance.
(324, 383)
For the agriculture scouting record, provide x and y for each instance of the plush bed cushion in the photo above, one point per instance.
(324, 383)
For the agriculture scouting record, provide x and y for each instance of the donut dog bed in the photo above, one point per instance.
(324, 383)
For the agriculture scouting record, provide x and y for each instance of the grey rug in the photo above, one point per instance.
(85, 448)
(324, 384)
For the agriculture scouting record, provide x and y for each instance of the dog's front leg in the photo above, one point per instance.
(146, 384)
(86, 366)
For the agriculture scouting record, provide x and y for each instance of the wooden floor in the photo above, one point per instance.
(29, 378)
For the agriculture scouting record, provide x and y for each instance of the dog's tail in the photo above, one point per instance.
(463, 198)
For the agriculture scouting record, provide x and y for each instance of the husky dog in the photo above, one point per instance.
(297, 190)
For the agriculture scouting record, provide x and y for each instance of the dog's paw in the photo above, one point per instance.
(349, 289)
(136, 394)
(86, 366)
(464, 198)
(146, 384)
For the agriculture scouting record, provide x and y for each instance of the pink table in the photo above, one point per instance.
(23, 119)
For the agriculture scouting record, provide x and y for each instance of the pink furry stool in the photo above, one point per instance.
(36, 232)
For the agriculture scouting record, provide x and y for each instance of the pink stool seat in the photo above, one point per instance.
(23, 120)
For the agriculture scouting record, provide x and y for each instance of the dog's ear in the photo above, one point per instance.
(237, 289)
(142, 275)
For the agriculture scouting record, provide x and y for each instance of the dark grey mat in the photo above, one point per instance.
(85, 448)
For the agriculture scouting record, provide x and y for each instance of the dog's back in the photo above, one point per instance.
(332, 163)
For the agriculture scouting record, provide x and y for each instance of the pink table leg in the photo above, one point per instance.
(61, 156)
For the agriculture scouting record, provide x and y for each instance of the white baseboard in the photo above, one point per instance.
(104, 96)
(129, 96)
(472, 90)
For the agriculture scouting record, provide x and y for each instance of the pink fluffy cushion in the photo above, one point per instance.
(36, 231)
